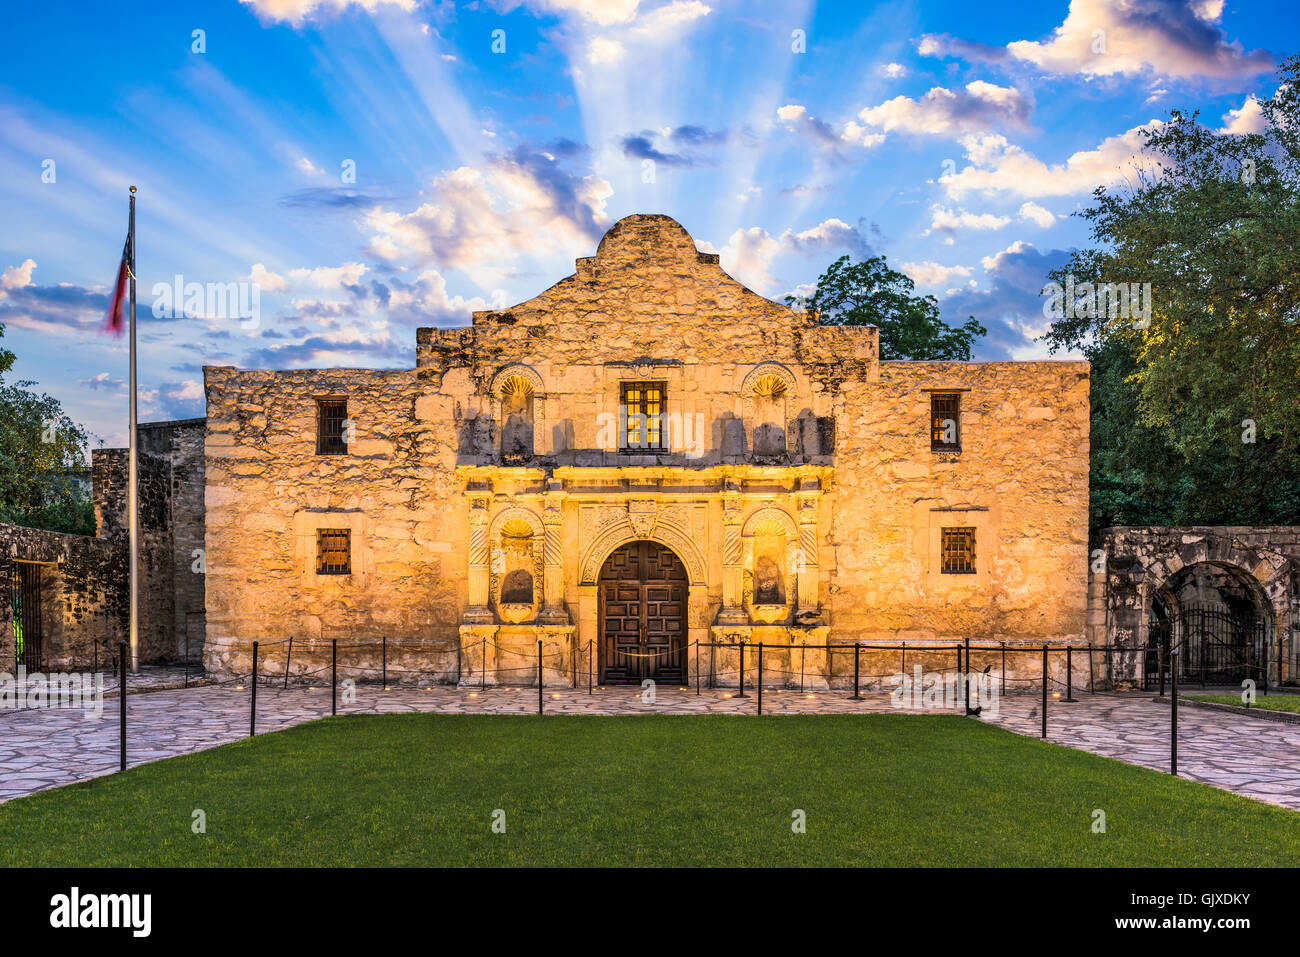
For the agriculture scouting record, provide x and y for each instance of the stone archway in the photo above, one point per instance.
(643, 595)
(1218, 618)
(1133, 564)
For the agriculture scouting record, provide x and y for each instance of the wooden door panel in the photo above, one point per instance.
(643, 591)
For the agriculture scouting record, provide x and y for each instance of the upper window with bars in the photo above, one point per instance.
(642, 406)
(945, 421)
(331, 426)
(333, 551)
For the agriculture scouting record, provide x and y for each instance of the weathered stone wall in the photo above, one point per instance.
(83, 595)
(782, 431)
(1131, 564)
(1020, 480)
(267, 491)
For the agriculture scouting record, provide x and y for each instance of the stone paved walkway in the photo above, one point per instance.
(41, 749)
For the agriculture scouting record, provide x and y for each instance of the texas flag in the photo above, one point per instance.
(113, 319)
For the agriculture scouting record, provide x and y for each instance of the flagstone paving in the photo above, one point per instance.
(45, 748)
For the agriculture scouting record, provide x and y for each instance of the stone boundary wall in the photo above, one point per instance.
(1129, 564)
(83, 589)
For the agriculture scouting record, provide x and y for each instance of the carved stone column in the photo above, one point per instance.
(809, 606)
(479, 557)
(553, 610)
(733, 568)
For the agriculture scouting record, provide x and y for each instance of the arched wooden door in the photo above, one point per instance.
(643, 594)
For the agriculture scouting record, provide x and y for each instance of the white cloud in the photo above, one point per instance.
(893, 70)
(308, 167)
(1002, 167)
(948, 221)
(296, 12)
(979, 106)
(1033, 213)
(16, 277)
(930, 273)
(997, 260)
(484, 219)
(749, 253)
(1249, 118)
(1167, 37)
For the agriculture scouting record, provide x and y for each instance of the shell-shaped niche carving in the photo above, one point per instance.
(517, 396)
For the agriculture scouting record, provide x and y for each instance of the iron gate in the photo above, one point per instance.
(29, 636)
(1216, 646)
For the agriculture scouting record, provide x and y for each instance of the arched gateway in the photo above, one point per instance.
(643, 592)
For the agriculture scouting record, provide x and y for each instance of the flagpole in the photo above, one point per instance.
(132, 485)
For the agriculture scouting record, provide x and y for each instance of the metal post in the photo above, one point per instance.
(590, 663)
(1092, 677)
(252, 703)
(539, 676)
(741, 692)
(384, 666)
(121, 704)
(760, 677)
(334, 675)
(1069, 672)
(803, 654)
(697, 669)
(187, 654)
(133, 476)
(965, 675)
(1160, 660)
(1044, 691)
(857, 656)
(287, 658)
(904, 667)
(482, 671)
(1173, 714)
(1004, 667)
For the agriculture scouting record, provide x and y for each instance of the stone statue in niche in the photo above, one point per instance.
(767, 582)
(517, 432)
(517, 580)
(769, 413)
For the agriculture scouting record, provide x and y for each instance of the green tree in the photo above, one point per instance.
(41, 453)
(1195, 404)
(869, 293)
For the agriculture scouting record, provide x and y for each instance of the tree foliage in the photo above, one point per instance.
(869, 293)
(42, 453)
(1195, 407)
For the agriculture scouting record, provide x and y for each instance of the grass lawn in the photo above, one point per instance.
(1270, 702)
(644, 790)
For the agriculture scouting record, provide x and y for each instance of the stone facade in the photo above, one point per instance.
(84, 579)
(485, 493)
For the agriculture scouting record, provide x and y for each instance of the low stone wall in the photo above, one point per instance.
(83, 590)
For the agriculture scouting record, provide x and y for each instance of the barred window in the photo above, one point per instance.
(333, 551)
(958, 551)
(331, 435)
(643, 415)
(945, 421)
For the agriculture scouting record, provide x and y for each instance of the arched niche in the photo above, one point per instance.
(768, 394)
(516, 538)
(516, 401)
(771, 560)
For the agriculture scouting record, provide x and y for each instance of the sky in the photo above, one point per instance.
(331, 175)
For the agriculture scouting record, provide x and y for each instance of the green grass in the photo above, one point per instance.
(644, 790)
(1270, 702)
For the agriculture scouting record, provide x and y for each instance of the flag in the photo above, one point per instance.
(113, 320)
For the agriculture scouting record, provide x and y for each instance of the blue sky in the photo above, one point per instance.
(493, 142)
